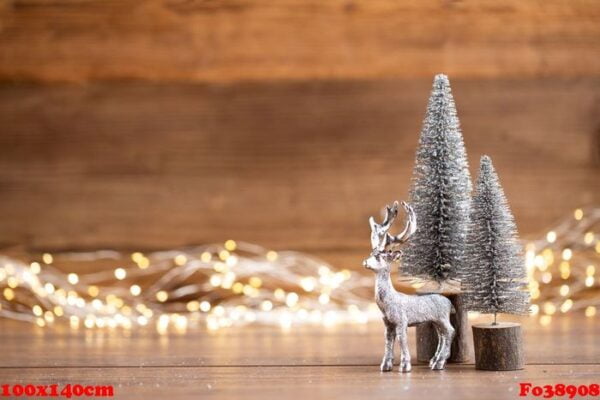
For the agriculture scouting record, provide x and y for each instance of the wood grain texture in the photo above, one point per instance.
(498, 347)
(265, 362)
(226, 40)
(460, 382)
(286, 165)
(24, 345)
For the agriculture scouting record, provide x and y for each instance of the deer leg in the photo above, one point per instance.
(401, 332)
(438, 351)
(387, 364)
(446, 335)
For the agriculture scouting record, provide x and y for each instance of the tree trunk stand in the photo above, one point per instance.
(427, 339)
(498, 347)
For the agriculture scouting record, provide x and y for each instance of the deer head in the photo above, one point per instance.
(380, 237)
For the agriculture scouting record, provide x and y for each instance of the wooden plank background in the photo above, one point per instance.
(225, 40)
(153, 124)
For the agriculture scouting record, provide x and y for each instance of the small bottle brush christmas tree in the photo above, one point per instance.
(493, 277)
(440, 191)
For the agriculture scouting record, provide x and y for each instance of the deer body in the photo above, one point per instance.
(400, 310)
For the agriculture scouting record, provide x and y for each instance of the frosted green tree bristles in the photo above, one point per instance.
(440, 192)
(493, 278)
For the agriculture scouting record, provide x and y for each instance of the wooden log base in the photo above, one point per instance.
(498, 347)
(427, 338)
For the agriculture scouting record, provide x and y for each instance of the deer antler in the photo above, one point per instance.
(380, 238)
(409, 229)
(390, 215)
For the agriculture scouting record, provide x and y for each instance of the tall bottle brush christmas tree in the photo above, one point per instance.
(493, 277)
(440, 194)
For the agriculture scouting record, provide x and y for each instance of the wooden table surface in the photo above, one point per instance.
(266, 362)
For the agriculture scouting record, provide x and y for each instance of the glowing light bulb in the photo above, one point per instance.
(49, 287)
(237, 287)
(180, 259)
(193, 306)
(547, 277)
(578, 214)
(35, 268)
(162, 296)
(93, 291)
(12, 282)
(324, 298)
(255, 282)
(291, 299)
(47, 258)
(590, 270)
(566, 306)
(220, 267)
(120, 274)
(279, 294)
(589, 281)
(37, 311)
(564, 290)
(308, 283)
(588, 238)
(181, 323)
(590, 311)
(143, 263)
(205, 257)
(266, 305)
(49, 317)
(535, 309)
(230, 245)
(551, 237)
(219, 311)
(215, 280)
(271, 255)
(135, 290)
(567, 254)
(549, 308)
(89, 322)
(565, 269)
(204, 306)
(9, 294)
(73, 278)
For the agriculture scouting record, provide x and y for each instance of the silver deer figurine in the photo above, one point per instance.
(400, 310)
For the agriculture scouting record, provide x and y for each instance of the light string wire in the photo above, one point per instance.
(236, 283)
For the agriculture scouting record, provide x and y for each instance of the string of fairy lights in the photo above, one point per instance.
(220, 285)
(563, 267)
(234, 283)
